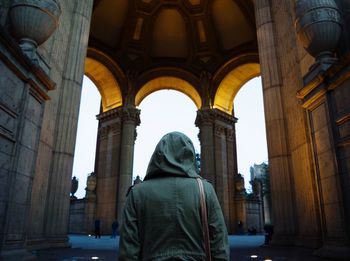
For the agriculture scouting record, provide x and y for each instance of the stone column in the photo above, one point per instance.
(116, 137)
(240, 218)
(90, 203)
(66, 126)
(218, 157)
(130, 120)
(107, 166)
(204, 122)
(281, 179)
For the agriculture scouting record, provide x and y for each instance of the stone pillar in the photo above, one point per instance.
(204, 122)
(282, 190)
(90, 203)
(107, 167)
(218, 157)
(130, 119)
(116, 137)
(66, 126)
(240, 204)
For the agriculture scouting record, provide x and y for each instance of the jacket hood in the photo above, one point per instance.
(175, 155)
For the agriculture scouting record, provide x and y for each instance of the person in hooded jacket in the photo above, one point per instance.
(161, 219)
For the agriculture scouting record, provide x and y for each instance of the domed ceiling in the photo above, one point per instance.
(193, 35)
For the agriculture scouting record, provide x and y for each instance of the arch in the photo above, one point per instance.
(231, 84)
(105, 82)
(168, 82)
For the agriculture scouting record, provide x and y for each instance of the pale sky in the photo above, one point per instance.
(165, 111)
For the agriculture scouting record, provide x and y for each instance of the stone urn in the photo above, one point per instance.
(74, 186)
(33, 22)
(318, 26)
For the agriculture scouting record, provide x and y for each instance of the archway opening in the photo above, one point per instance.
(250, 128)
(162, 111)
(85, 145)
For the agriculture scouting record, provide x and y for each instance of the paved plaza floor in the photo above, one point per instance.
(106, 248)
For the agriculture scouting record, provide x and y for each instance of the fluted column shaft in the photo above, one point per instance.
(218, 157)
(281, 179)
(66, 124)
(130, 119)
(204, 122)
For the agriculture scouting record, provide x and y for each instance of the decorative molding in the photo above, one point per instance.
(230, 134)
(12, 56)
(219, 130)
(115, 128)
(131, 115)
(204, 117)
(210, 116)
(111, 114)
(103, 132)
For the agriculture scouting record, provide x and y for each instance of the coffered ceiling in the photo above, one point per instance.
(194, 35)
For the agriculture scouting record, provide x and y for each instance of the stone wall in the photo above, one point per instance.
(23, 93)
(77, 216)
(45, 133)
(299, 153)
(306, 140)
(254, 215)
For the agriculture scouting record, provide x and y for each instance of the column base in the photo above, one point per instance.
(333, 252)
(17, 254)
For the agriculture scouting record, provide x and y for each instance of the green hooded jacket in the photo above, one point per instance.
(161, 219)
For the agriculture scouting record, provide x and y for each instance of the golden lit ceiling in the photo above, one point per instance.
(195, 36)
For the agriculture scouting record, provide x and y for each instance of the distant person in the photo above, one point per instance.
(115, 226)
(268, 233)
(240, 227)
(97, 228)
(162, 219)
(137, 180)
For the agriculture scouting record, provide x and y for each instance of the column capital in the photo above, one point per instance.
(209, 116)
(126, 114)
(204, 117)
(131, 115)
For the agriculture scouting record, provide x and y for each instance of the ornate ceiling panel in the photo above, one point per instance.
(195, 35)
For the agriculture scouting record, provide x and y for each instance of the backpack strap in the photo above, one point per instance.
(204, 218)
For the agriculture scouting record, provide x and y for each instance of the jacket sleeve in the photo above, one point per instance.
(129, 244)
(219, 245)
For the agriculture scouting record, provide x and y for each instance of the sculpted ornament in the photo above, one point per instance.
(318, 25)
(33, 22)
(131, 115)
